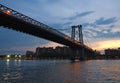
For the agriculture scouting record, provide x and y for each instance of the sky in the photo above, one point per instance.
(100, 20)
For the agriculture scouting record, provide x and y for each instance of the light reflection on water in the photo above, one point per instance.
(10, 71)
(7, 62)
(59, 71)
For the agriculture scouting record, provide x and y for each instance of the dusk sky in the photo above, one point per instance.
(100, 20)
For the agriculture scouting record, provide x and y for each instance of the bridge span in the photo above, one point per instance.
(14, 20)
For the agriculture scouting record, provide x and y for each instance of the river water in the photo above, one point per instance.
(59, 71)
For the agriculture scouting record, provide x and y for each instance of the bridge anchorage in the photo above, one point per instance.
(14, 20)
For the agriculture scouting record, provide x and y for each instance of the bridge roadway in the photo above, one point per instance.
(14, 20)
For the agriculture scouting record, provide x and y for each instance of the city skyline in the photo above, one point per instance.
(100, 20)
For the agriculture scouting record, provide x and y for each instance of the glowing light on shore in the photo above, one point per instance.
(8, 56)
(15, 56)
(19, 56)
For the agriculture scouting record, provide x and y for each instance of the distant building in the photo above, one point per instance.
(65, 51)
(39, 51)
(29, 53)
(42, 51)
(119, 48)
(112, 52)
(51, 52)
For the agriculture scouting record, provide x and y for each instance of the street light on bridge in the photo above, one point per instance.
(8, 12)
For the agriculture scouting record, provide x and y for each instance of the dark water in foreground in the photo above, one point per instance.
(59, 71)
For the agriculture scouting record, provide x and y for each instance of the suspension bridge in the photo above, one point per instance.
(14, 20)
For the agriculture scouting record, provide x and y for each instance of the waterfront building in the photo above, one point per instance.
(29, 53)
(52, 52)
(43, 51)
(65, 51)
(112, 52)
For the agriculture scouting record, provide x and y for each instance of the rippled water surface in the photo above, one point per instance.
(59, 71)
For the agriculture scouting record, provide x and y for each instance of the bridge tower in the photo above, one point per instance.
(76, 33)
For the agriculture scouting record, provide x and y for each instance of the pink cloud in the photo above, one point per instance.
(51, 44)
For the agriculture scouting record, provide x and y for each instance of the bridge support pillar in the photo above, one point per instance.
(77, 53)
(82, 54)
(73, 53)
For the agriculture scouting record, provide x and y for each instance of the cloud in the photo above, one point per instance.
(80, 15)
(104, 28)
(115, 28)
(103, 21)
(89, 33)
(106, 43)
(51, 44)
